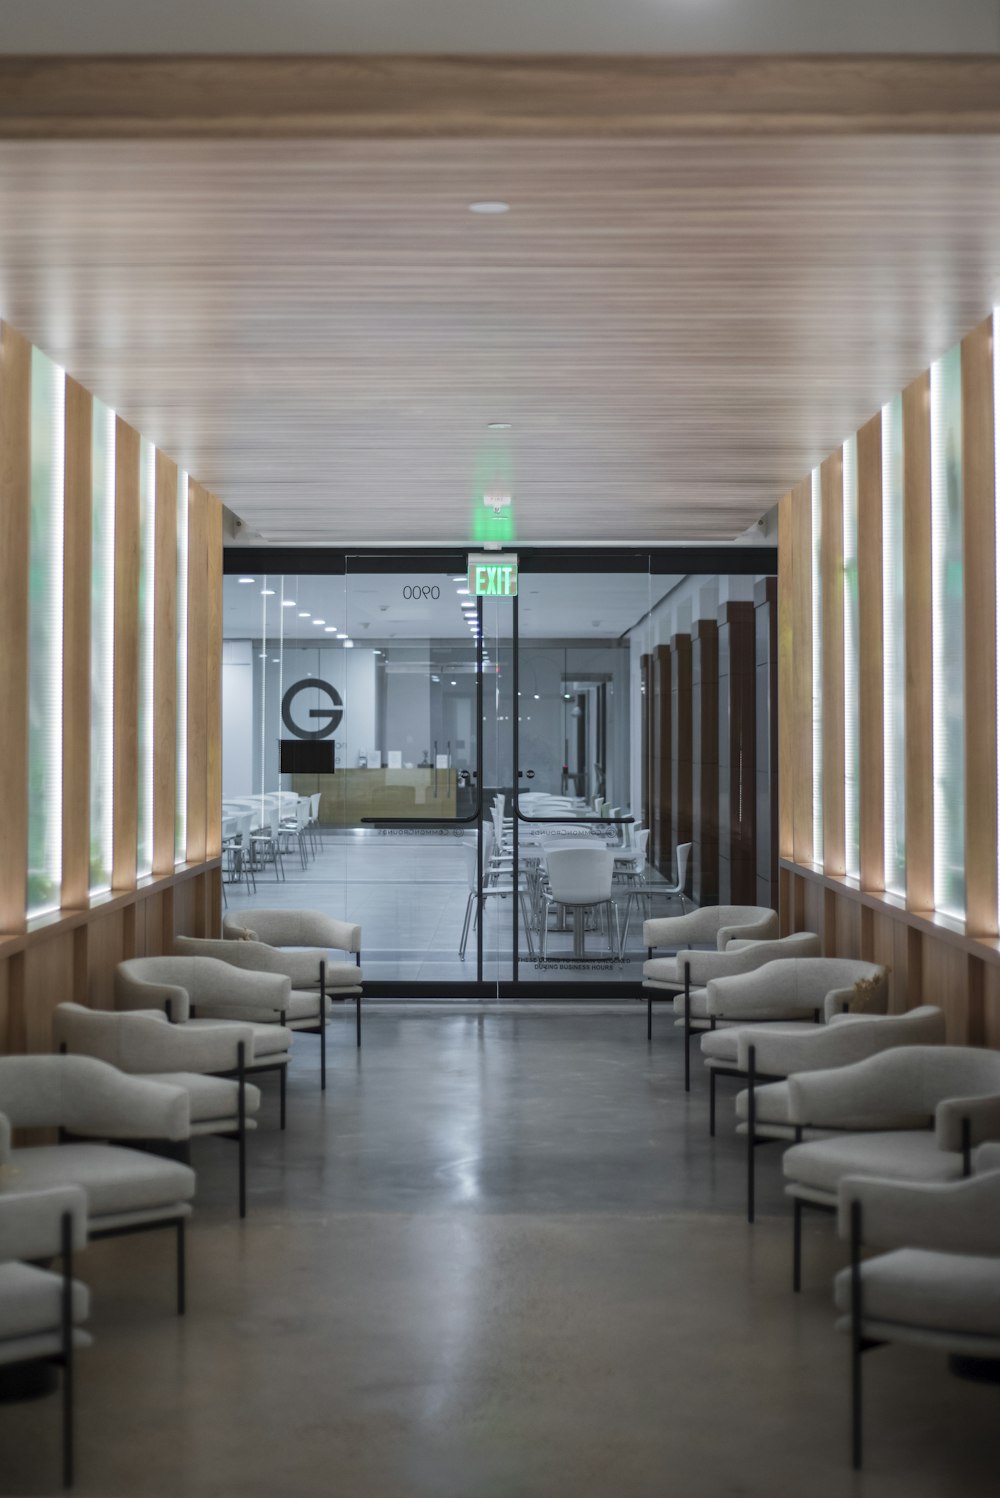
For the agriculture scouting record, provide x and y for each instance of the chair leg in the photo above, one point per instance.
(711, 1102)
(67, 1349)
(322, 1026)
(282, 1090)
(687, 1028)
(465, 928)
(796, 1244)
(751, 1132)
(241, 1134)
(649, 1014)
(357, 1020)
(527, 926)
(181, 1268)
(857, 1344)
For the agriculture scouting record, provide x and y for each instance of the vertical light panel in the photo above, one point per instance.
(15, 547)
(45, 628)
(996, 533)
(147, 588)
(852, 740)
(816, 560)
(77, 569)
(180, 849)
(102, 645)
(948, 626)
(894, 647)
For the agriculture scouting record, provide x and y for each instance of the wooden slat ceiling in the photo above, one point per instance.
(321, 331)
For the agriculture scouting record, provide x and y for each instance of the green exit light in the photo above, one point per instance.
(493, 577)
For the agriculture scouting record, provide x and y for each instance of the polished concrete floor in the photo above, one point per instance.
(500, 1258)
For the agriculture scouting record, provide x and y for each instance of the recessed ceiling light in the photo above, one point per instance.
(248, 579)
(348, 644)
(319, 621)
(341, 636)
(331, 629)
(537, 698)
(288, 603)
(489, 205)
(304, 615)
(454, 683)
(460, 579)
(435, 678)
(267, 592)
(499, 426)
(262, 656)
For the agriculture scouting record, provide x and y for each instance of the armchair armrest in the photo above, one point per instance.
(959, 1217)
(31, 1221)
(779, 1053)
(133, 991)
(980, 1114)
(769, 992)
(220, 991)
(148, 1043)
(299, 965)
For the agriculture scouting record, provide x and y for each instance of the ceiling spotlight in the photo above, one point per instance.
(247, 579)
(331, 629)
(454, 683)
(460, 579)
(341, 635)
(537, 697)
(435, 678)
(462, 592)
(288, 603)
(319, 621)
(489, 206)
(348, 644)
(305, 615)
(267, 592)
(499, 426)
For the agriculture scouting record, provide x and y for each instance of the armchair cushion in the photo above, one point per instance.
(31, 1303)
(819, 1166)
(213, 1098)
(115, 1181)
(270, 1042)
(918, 1287)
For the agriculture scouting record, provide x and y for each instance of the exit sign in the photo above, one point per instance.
(493, 576)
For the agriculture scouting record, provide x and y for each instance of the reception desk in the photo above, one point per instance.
(350, 795)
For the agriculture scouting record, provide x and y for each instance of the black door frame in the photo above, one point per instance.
(718, 561)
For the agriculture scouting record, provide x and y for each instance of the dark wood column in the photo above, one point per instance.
(681, 762)
(737, 754)
(766, 612)
(645, 744)
(661, 718)
(705, 762)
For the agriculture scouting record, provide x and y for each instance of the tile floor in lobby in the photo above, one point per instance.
(409, 892)
(500, 1258)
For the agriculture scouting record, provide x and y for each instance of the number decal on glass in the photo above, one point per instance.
(424, 590)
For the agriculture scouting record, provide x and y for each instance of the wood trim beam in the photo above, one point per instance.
(197, 673)
(871, 730)
(786, 679)
(74, 97)
(15, 512)
(919, 644)
(77, 543)
(978, 477)
(213, 684)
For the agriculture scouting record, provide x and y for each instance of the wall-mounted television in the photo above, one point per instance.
(307, 756)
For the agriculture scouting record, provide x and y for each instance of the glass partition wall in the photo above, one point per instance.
(403, 754)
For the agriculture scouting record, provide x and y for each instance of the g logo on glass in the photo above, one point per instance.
(333, 714)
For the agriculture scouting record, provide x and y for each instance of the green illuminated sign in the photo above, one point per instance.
(493, 577)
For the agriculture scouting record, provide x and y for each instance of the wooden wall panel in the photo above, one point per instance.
(15, 505)
(77, 529)
(766, 739)
(49, 974)
(802, 674)
(832, 533)
(978, 469)
(213, 682)
(705, 762)
(871, 732)
(786, 680)
(197, 674)
(165, 666)
(126, 658)
(680, 665)
(919, 701)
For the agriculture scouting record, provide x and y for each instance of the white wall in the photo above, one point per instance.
(237, 718)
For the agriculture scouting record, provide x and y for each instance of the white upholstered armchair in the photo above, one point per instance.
(209, 1062)
(911, 1114)
(127, 1190)
(202, 992)
(42, 1312)
(938, 1286)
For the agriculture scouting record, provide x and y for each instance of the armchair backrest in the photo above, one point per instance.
(293, 928)
(204, 981)
(712, 925)
(85, 1095)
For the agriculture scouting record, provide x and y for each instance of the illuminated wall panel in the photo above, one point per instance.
(948, 621)
(852, 676)
(893, 647)
(102, 645)
(45, 628)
